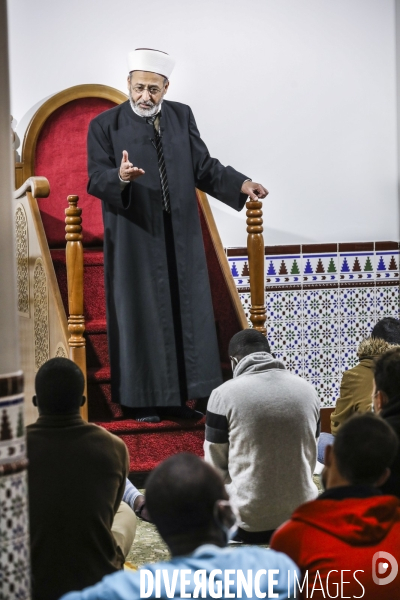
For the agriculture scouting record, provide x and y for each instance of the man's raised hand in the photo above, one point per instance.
(127, 171)
(255, 190)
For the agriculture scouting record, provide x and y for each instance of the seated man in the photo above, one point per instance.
(336, 540)
(386, 397)
(356, 385)
(261, 430)
(188, 503)
(80, 530)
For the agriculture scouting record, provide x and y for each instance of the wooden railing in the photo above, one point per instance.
(74, 260)
(255, 251)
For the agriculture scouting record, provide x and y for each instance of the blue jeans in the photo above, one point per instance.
(325, 439)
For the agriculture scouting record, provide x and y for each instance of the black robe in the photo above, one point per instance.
(141, 332)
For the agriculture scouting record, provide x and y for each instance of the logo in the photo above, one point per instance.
(380, 566)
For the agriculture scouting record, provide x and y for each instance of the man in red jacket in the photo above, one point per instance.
(347, 541)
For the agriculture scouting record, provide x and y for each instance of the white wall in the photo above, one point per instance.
(9, 351)
(297, 94)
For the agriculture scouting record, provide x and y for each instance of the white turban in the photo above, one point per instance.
(155, 61)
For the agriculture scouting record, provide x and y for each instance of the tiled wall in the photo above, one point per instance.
(321, 301)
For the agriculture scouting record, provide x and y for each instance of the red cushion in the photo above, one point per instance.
(61, 156)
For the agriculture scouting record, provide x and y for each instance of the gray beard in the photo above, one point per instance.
(144, 112)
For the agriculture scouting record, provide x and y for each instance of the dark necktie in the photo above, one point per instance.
(161, 165)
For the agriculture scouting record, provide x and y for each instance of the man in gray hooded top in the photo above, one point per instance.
(261, 431)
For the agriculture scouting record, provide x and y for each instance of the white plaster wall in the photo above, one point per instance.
(297, 94)
(9, 350)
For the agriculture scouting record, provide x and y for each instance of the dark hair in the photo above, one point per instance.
(387, 373)
(365, 445)
(59, 386)
(387, 329)
(246, 342)
(181, 494)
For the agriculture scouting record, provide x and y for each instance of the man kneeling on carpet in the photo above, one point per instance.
(357, 383)
(79, 528)
(261, 430)
(349, 538)
(187, 501)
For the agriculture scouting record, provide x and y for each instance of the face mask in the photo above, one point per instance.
(231, 530)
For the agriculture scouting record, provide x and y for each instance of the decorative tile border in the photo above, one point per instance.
(12, 432)
(320, 264)
(313, 264)
(283, 266)
(321, 301)
(14, 535)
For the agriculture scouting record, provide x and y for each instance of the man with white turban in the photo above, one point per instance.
(145, 159)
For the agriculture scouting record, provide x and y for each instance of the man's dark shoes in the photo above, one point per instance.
(146, 415)
(180, 412)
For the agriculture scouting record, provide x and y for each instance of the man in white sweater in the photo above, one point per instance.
(261, 432)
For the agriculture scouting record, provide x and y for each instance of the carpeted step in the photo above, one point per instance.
(125, 426)
(93, 275)
(96, 326)
(97, 343)
(146, 451)
(97, 349)
(100, 405)
(99, 374)
(148, 443)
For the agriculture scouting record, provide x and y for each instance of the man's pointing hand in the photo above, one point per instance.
(127, 171)
(255, 190)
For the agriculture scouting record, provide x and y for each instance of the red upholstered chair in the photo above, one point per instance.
(55, 147)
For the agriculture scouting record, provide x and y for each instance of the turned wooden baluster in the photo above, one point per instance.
(255, 251)
(76, 319)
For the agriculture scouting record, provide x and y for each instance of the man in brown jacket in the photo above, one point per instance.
(357, 383)
(80, 530)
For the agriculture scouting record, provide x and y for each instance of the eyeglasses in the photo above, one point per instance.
(152, 89)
